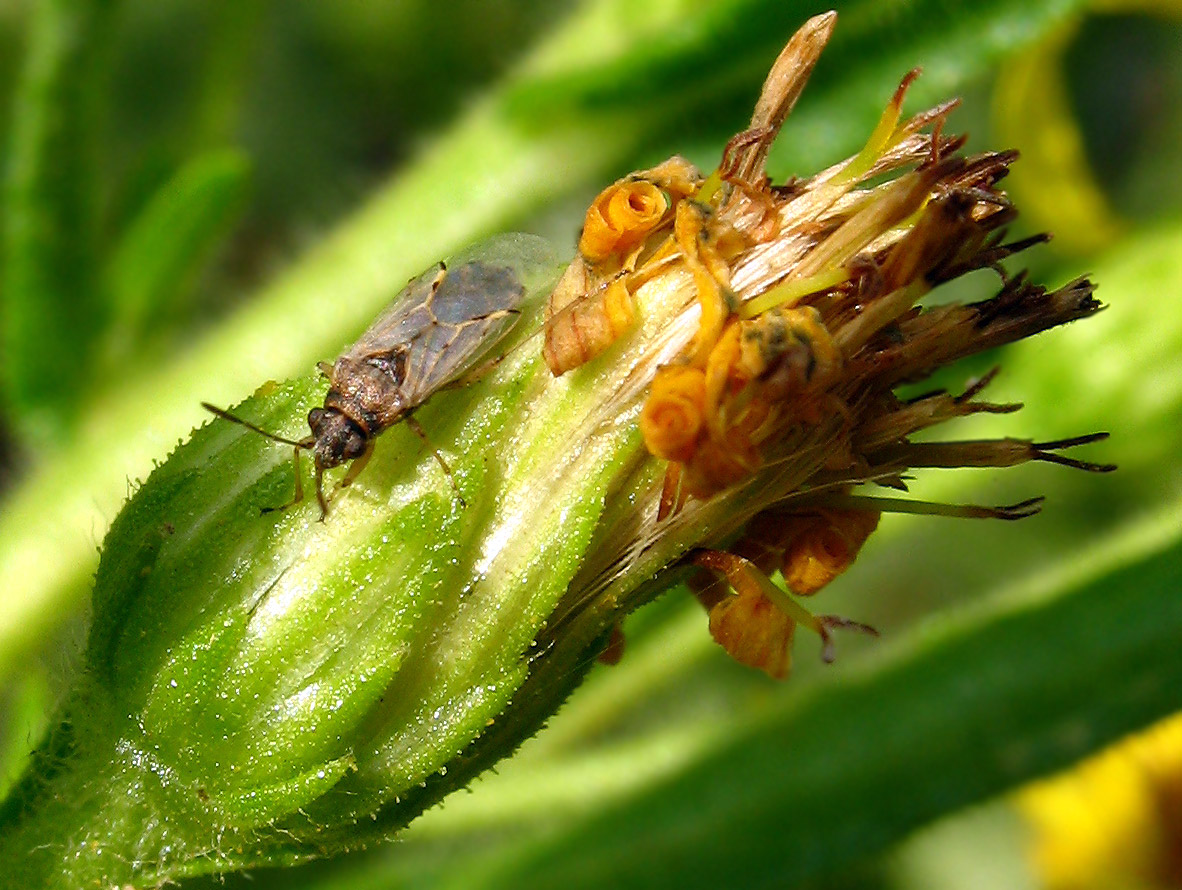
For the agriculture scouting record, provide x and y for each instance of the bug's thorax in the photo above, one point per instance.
(364, 398)
(370, 391)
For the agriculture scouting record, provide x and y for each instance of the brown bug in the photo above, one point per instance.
(433, 334)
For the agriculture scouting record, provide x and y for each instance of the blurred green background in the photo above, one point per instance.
(201, 196)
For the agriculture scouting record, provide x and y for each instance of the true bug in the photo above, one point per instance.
(433, 334)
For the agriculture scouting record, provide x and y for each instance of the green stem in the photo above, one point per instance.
(49, 825)
(115, 817)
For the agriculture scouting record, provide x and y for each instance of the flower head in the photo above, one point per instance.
(777, 322)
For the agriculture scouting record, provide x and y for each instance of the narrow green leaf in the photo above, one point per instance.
(157, 259)
(51, 315)
(1055, 183)
(685, 52)
(235, 32)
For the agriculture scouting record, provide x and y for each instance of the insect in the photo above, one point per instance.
(431, 337)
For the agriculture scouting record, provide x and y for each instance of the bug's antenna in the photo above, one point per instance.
(226, 415)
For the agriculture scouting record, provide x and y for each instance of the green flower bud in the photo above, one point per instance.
(265, 686)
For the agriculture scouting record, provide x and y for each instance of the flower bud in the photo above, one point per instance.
(266, 686)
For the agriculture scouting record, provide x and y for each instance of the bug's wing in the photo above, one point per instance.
(441, 326)
(474, 308)
(406, 318)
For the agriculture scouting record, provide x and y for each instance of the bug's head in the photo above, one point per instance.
(337, 438)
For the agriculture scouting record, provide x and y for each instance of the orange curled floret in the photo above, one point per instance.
(717, 465)
(620, 218)
(754, 632)
(672, 417)
(711, 276)
(585, 328)
(720, 379)
(823, 546)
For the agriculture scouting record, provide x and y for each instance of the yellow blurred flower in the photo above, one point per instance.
(1115, 821)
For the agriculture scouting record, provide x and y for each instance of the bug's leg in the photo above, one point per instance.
(297, 445)
(299, 485)
(357, 466)
(320, 499)
(422, 434)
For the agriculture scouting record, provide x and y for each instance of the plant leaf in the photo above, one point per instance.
(707, 61)
(50, 312)
(159, 254)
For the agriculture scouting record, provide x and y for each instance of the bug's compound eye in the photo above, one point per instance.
(316, 420)
(353, 444)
